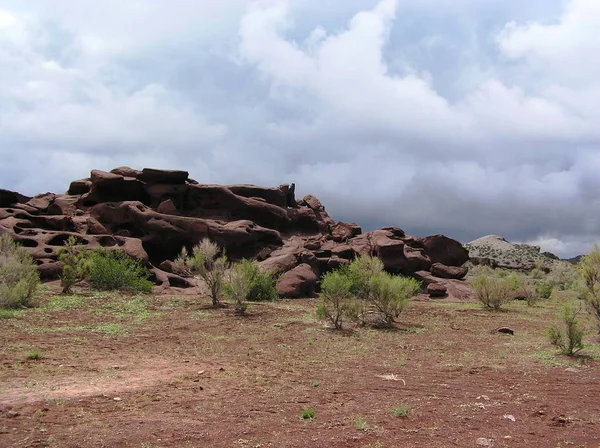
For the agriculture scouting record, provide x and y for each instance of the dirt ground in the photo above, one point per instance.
(165, 371)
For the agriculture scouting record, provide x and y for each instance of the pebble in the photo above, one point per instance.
(510, 417)
(117, 399)
(482, 441)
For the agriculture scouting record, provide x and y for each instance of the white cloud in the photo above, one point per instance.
(393, 112)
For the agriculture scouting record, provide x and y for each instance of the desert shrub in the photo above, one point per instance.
(571, 341)
(389, 296)
(207, 262)
(589, 270)
(262, 284)
(544, 289)
(493, 292)
(19, 277)
(564, 276)
(360, 272)
(537, 274)
(110, 270)
(335, 298)
(76, 264)
(527, 291)
(238, 287)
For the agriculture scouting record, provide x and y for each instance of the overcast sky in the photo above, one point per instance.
(465, 118)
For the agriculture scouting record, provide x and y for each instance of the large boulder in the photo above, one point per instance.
(343, 231)
(153, 176)
(386, 245)
(299, 282)
(442, 271)
(272, 196)
(441, 249)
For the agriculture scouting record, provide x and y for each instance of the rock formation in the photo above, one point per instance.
(497, 252)
(152, 214)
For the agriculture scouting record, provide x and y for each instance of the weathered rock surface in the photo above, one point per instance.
(152, 214)
(299, 282)
(497, 252)
(436, 289)
(443, 271)
(442, 249)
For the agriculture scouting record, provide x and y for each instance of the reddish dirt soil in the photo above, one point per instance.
(164, 371)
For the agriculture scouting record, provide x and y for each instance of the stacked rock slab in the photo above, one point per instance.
(152, 214)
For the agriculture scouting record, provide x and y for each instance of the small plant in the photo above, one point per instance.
(589, 270)
(570, 342)
(19, 277)
(335, 298)
(75, 264)
(401, 411)
(206, 263)
(361, 424)
(564, 276)
(114, 270)
(35, 355)
(238, 288)
(544, 290)
(308, 414)
(389, 296)
(315, 383)
(493, 292)
(360, 272)
(262, 284)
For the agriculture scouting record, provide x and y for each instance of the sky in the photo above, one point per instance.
(466, 118)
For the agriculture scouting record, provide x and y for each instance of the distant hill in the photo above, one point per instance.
(495, 251)
(575, 260)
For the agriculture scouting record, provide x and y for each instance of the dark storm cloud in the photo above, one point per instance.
(465, 118)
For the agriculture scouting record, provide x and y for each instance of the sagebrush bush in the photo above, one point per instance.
(361, 271)
(114, 270)
(262, 284)
(238, 287)
(571, 341)
(76, 264)
(363, 292)
(207, 262)
(493, 292)
(19, 276)
(336, 298)
(589, 270)
(390, 294)
(564, 276)
(544, 289)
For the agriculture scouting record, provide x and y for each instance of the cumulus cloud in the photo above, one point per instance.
(389, 111)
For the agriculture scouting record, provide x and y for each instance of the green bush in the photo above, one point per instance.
(19, 276)
(361, 271)
(389, 296)
(207, 263)
(335, 298)
(589, 271)
(239, 286)
(544, 290)
(493, 292)
(115, 270)
(564, 276)
(363, 292)
(76, 264)
(572, 341)
(262, 284)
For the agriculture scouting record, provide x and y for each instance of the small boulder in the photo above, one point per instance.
(436, 289)
(167, 207)
(299, 282)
